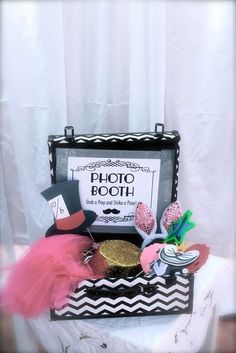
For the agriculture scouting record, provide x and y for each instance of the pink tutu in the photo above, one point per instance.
(43, 278)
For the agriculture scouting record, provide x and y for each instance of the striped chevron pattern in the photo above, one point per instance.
(174, 298)
(116, 137)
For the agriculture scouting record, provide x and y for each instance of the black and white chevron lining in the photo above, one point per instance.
(114, 138)
(174, 299)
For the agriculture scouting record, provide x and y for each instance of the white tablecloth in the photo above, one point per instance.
(149, 334)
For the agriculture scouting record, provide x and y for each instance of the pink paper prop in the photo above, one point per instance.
(149, 255)
(203, 250)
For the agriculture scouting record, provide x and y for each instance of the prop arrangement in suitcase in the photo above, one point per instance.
(118, 244)
(130, 182)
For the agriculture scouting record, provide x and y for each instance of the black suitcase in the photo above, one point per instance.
(117, 171)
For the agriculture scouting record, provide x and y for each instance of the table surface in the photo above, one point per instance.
(147, 334)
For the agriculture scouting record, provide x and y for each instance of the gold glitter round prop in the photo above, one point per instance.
(120, 253)
(116, 258)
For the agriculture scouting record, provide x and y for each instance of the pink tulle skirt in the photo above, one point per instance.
(43, 278)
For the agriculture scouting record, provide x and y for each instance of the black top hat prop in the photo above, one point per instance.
(64, 200)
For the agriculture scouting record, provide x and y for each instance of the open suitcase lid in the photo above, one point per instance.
(115, 172)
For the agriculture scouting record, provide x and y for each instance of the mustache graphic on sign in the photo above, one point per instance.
(109, 210)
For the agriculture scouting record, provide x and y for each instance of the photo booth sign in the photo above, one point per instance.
(113, 187)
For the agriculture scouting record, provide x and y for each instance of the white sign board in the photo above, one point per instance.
(112, 187)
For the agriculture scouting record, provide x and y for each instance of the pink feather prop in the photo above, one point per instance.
(43, 278)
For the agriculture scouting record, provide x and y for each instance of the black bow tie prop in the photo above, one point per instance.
(64, 200)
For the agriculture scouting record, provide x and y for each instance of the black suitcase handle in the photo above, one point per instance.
(96, 292)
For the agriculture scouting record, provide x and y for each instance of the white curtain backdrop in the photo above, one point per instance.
(119, 66)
